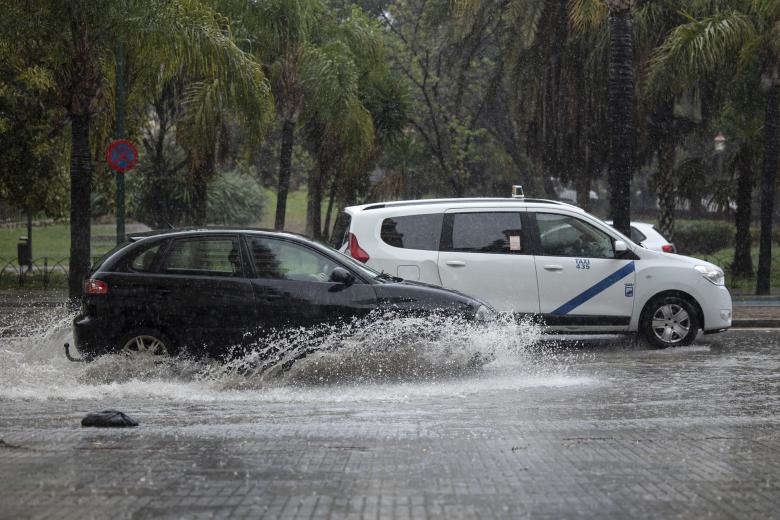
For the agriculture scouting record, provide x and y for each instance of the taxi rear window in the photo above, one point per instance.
(421, 232)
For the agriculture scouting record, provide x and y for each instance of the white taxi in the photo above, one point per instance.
(542, 258)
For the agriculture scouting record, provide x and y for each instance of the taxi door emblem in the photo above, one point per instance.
(629, 290)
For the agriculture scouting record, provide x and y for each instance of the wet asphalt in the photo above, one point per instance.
(551, 429)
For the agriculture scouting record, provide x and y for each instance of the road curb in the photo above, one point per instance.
(756, 323)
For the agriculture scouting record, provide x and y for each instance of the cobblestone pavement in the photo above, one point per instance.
(592, 431)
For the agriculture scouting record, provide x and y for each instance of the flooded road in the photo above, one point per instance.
(396, 420)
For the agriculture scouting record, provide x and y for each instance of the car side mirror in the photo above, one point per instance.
(341, 275)
(621, 248)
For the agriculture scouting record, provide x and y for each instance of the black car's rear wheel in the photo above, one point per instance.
(669, 321)
(146, 343)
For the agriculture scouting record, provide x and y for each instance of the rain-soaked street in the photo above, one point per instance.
(396, 422)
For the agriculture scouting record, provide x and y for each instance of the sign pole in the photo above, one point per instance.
(120, 131)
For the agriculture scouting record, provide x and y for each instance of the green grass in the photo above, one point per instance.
(295, 218)
(724, 257)
(53, 241)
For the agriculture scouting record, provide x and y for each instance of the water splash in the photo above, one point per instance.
(383, 356)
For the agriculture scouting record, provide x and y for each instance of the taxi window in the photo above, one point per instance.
(204, 257)
(562, 235)
(413, 232)
(281, 260)
(497, 232)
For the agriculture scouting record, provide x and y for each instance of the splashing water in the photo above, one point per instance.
(382, 356)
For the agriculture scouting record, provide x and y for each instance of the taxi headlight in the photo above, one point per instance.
(712, 274)
(484, 313)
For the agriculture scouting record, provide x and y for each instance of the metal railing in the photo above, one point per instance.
(44, 272)
(41, 272)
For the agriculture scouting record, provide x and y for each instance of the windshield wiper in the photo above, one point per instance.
(385, 276)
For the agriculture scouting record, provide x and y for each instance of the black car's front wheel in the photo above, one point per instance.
(146, 343)
(669, 321)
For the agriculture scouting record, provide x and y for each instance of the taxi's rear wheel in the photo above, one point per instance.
(146, 343)
(669, 321)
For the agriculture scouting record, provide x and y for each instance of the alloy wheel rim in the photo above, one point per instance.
(671, 323)
(144, 345)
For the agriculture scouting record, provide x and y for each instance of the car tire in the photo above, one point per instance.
(146, 342)
(669, 321)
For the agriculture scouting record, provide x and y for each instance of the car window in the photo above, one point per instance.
(659, 233)
(204, 257)
(562, 235)
(340, 235)
(637, 236)
(142, 260)
(106, 256)
(284, 260)
(489, 232)
(413, 232)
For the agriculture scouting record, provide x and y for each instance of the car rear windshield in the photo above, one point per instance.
(637, 236)
(106, 256)
(413, 232)
(340, 236)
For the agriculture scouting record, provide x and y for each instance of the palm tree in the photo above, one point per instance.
(345, 133)
(741, 32)
(620, 99)
(82, 36)
(286, 34)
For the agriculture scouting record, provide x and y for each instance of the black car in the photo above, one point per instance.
(208, 291)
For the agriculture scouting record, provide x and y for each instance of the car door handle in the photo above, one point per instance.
(553, 267)
(163, 292)
(271, 295)
(456, 263)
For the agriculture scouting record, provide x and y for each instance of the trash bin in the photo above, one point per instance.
(23, 252)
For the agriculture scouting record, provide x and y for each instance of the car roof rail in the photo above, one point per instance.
(403, 203)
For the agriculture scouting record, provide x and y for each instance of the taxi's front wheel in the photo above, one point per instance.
(669, 321)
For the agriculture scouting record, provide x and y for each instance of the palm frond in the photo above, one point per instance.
(329, 77)
(587, 14)
(699, 48)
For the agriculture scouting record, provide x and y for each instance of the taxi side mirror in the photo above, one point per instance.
(342, 276)
(621, 249)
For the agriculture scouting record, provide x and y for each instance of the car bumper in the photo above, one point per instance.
(717, 309)
(89, 337)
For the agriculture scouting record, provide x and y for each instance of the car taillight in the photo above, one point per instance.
(95, 287)
(667, 248)
(355, 251)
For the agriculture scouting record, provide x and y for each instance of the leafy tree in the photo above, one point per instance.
(284, 34)
(82, 36)
(32, 173)
(741, 32)
(346, 136)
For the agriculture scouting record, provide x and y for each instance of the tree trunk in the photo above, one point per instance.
(285, 167)
(768, 191)
(621, 126)
(665, 188)
(80, 209)
(200, 191)
(582, 185)
(331, 197)
(29, 238)
(742, 265)
(314, 202)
